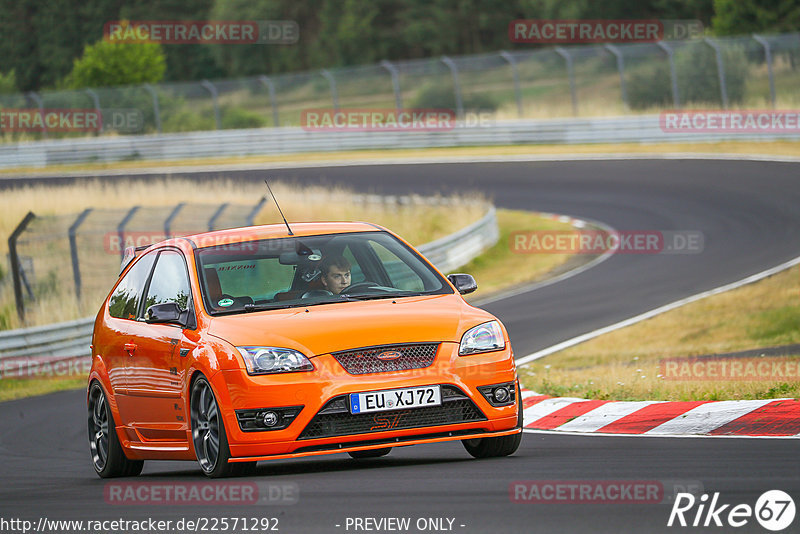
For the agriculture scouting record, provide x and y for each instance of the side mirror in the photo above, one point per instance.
(169, 312)
(464, 283)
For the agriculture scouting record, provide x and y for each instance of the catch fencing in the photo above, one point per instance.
(539, 83)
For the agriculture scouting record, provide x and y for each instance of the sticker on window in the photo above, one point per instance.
(225, 303)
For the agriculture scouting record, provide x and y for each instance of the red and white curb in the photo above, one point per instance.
(751, 418)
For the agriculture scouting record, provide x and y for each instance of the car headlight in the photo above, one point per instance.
(270, 360)
(485, 337)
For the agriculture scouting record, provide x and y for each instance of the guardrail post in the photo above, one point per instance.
(214, 93)
(256, 209)
(121, 230)
(156, 107)
(213, 220)
(515, 75)
(723, 89)
(73, 251)
(571, 73)
(673, 73)
(170, 218)
(456, 85)
(768, 57)
(15, 265)
(33, 95)
(265, 80)
(398, 97)
(621, 67)
(96, 100)
(332, 82)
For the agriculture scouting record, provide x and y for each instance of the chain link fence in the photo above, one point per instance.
(63, 265)
(586, 80)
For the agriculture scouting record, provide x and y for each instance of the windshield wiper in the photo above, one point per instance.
(263, 307)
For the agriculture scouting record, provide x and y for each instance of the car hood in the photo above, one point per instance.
(328, 328)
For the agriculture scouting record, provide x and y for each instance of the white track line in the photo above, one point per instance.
(707, 417)
(603, 415)
(657, 311)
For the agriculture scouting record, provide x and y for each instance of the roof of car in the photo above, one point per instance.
(268, 231)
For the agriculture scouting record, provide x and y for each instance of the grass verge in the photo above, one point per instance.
(18, 388)
(627, 364)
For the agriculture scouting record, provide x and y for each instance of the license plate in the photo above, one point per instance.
(395, 399)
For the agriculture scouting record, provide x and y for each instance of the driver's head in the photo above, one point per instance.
(335, 273)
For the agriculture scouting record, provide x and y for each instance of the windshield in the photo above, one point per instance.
(311, 270)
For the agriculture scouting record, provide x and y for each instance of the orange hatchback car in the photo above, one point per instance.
(260, 343)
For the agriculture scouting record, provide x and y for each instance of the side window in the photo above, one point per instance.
(124, 303)
(401, 275)
(170, 283)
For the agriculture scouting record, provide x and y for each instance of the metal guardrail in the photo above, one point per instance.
(72, 338)
(275, 141)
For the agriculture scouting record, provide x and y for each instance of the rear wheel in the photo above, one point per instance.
(495, 447)
(209, 437)
(108, 458)
(372, 453)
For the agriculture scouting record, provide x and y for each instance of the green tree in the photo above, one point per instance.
(184, 62)
(736, 17)
(8, 83)
(108, 64)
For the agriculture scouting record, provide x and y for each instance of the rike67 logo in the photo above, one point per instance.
(774, 510)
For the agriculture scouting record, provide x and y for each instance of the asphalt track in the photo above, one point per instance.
(750, 217)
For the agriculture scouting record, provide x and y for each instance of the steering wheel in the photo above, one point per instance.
(316, 293)
(357, 285)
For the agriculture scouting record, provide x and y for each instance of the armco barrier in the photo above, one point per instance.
(72, 338)
(274, 141)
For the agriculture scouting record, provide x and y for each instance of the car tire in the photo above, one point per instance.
(108, 458)
(496, 447)
(209, 438)
(371, 453)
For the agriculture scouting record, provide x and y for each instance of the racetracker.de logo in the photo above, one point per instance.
(378, 119)
(601, 242)
(601, 491)
(731, 369)
(202, 31)
(201, 493)
(740, 121)
(567, 31)
(50, 120)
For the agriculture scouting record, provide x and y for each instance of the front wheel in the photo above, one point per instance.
(209, 437)
(495, 447)
(108, 458)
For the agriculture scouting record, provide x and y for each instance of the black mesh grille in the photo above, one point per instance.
(407, 356)
(335, 419)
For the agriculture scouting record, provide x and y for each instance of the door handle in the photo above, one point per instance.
(130, 348)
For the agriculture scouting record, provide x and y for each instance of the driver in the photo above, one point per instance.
(335, 273)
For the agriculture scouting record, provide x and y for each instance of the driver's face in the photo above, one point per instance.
(336, 280)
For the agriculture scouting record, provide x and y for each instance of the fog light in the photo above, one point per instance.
(501, 394)
(269, 419)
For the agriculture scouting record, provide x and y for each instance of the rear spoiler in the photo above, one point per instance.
(130, 254)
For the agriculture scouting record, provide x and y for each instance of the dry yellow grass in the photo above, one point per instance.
(625, 364)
